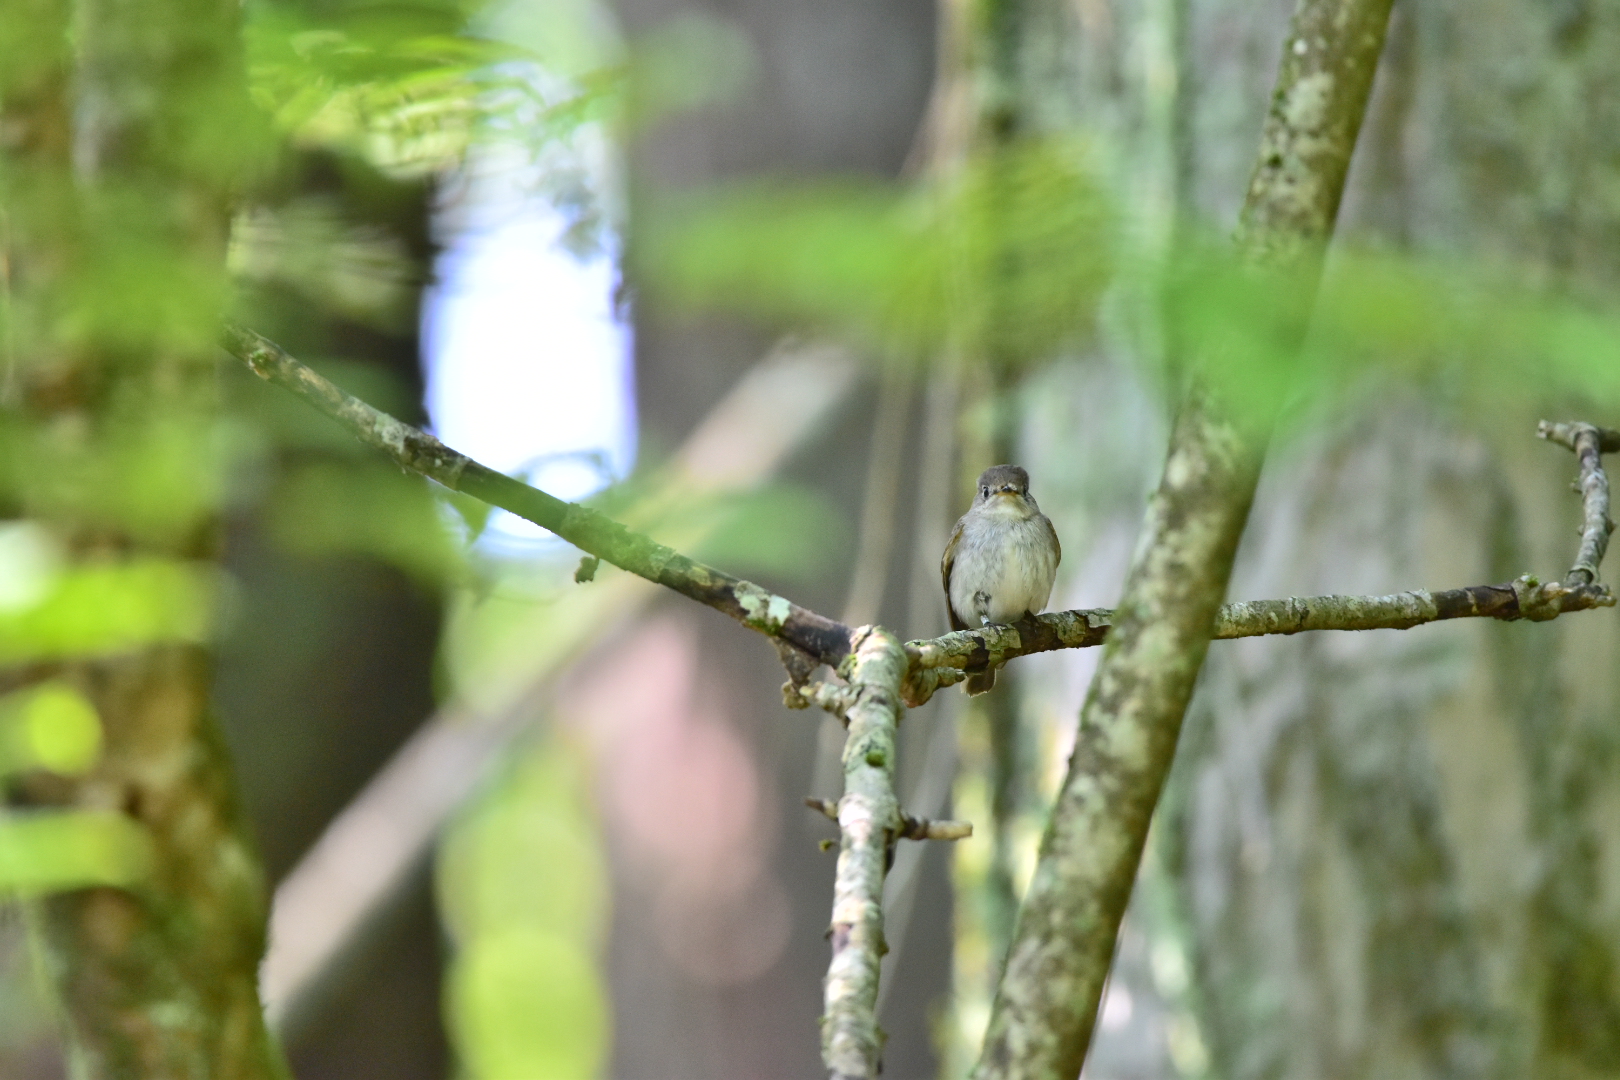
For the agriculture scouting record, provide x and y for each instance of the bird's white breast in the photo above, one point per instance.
(1004, 567)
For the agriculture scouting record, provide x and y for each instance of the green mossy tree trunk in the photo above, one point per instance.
(123, 128)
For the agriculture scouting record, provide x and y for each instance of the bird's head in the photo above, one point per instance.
(1004, 486)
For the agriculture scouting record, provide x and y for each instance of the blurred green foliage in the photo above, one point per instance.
(48, 726)
(1012, 261)
(52, 850)
(1005, 259)
(365, 508)
(51, 726)
(787, 532)
(523, 887)
(307, 247)
(104, 609)
(401, 85)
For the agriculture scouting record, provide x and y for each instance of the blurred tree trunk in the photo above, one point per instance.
(124, 127)
(367, 633)
(1384, 854)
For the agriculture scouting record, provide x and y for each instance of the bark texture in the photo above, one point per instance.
(1355, 817)
(1041, 1022)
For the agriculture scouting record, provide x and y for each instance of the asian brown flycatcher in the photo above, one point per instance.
(1003, 555)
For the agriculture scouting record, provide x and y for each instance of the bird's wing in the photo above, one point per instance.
(1057, 548)
(947, 561)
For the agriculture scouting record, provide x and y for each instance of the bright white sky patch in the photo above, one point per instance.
(528, 367)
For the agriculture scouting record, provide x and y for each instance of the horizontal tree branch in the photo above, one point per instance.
(827, 640)
(946, 660)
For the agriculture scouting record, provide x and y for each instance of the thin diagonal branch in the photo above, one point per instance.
(825, 639)
(331, 899)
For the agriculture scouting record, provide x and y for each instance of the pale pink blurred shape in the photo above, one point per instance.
(725, 938)
(681, 792)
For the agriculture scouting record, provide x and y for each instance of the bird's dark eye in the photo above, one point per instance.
(985, 492)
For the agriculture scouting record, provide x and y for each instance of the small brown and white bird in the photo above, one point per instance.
(1003, 555)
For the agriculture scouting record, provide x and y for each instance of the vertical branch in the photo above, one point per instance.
(1042, 1020)
(869, 822)
(1590, 444)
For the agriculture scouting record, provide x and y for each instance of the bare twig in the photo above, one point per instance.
(912, 828)
(825, 639)
(1590, 444)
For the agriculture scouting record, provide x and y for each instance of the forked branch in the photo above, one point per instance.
(882, 675)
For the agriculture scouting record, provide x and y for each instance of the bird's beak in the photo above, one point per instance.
(1007, 489)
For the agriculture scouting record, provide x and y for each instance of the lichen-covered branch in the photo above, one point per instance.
(947, 660)
(825, 639)
(1041, 1021)
(869, 820)
(1589, 444)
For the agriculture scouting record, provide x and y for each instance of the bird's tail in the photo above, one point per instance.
(980, 683)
